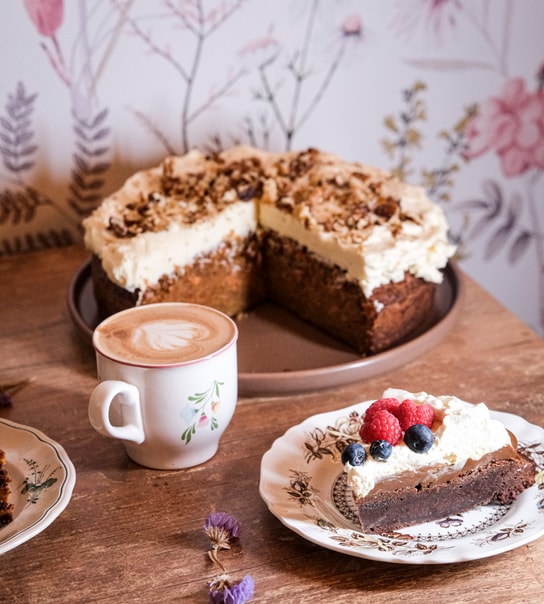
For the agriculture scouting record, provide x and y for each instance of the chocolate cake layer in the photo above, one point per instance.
(499, 480)
(110, 298)
(320, 293)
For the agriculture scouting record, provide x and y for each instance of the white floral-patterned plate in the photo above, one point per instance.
(42, 481)
(303, 484)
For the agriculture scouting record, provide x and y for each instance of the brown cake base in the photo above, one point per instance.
(498, 481)
(6, 509)
(320, 294)
(229, 280)
(243, 273)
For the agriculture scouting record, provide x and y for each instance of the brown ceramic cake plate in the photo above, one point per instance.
(280, 354)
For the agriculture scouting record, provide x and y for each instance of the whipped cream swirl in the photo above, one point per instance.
(466, 432)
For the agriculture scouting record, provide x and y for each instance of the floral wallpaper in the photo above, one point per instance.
(447, 93)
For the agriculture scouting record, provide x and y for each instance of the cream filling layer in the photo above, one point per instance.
(419, 247)
(139, 262)
(466, 432)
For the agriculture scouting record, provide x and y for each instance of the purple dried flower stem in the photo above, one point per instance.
(212, 554)
(221, 528)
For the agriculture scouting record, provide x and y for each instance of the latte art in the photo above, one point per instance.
(168, 335)
(164, 334)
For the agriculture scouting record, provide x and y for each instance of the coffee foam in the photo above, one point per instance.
(164, 334)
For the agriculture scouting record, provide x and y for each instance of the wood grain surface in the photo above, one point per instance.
(131, 534)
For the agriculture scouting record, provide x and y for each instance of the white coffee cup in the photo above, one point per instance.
(168, 382)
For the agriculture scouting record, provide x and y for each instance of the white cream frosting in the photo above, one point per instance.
(466, 432)
(372, 252)
(420, 246)
(139, 262)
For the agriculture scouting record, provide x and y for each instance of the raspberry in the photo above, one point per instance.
(425, 415)
(389, 404)
(408, 414)
(383, 425)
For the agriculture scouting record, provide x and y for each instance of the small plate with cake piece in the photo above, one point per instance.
(42, 479)
(303, 484)
(281, 354)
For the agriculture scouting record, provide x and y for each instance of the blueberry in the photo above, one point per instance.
(419, 438)
(355, 454)
(381, 450)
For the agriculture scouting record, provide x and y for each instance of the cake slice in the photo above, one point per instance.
(441, 456)
(6, 508)
(346, 247)
(183, 231)
(350, 248)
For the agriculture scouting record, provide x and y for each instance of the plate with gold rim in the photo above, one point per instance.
(303, 484)
(42, 480)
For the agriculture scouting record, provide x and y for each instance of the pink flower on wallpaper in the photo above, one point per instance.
(511, 125)
(352, 25)
(260, 52)
(46, 15)
(419, 18)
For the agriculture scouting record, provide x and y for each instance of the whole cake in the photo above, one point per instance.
(6, 508)
(346, 247)
(422, 458)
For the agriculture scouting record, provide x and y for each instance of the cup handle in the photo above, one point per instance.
(129, 399)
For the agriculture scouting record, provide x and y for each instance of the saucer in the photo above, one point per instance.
(42, 481)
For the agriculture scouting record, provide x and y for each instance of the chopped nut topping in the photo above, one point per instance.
(326, 194)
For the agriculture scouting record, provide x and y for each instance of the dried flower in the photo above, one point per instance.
(222, 591)
(5, 399)
(222, 528)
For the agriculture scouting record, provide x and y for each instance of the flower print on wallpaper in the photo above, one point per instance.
(291, 77)
(512, 126)
(194, 23)
(276, 76)
(77, 70)
(509, 124)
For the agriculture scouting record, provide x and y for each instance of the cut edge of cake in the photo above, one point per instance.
(6, 508)
(498, 481)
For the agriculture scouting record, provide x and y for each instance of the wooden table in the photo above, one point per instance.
(131, 534)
